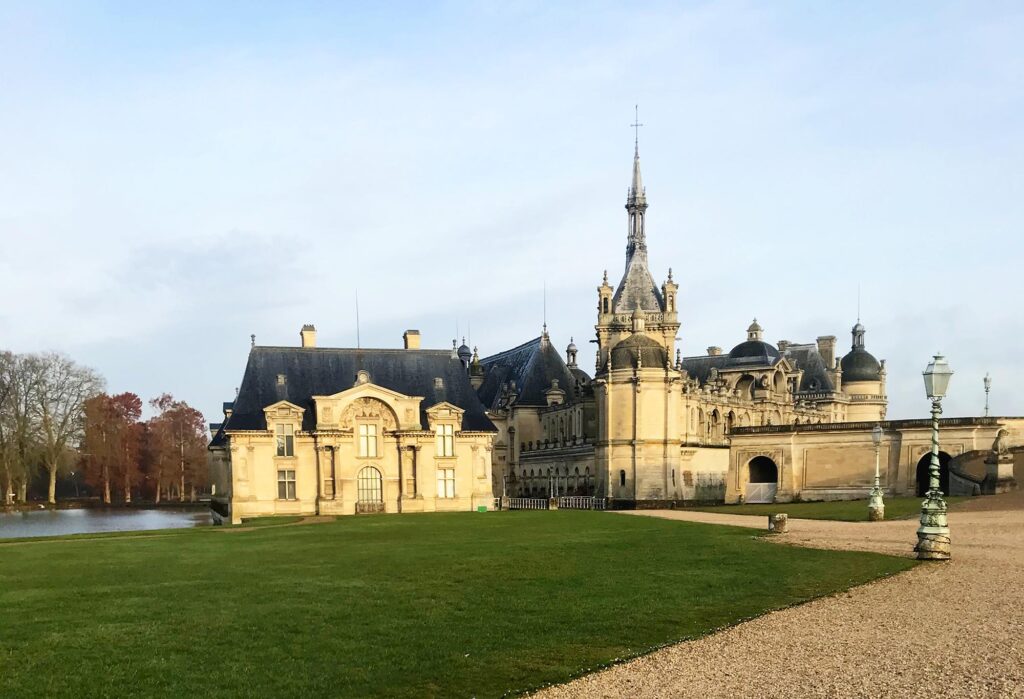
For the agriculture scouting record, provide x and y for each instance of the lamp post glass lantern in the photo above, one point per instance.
(933, 541)
(876, 506)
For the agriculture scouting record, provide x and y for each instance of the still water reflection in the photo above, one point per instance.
(57, 522)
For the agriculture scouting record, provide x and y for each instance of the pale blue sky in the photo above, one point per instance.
(173, 179)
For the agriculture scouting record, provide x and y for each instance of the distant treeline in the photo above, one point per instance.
(61, 433)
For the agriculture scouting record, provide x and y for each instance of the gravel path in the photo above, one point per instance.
(951, 629)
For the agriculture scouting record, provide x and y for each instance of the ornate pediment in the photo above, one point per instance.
(368, 409)
(445, 412)
(283, 410)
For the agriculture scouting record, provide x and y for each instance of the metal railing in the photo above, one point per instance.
(575, 502)
(527, 504)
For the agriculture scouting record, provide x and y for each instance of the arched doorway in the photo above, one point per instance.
(763, 480)
(370, 490)
(923, 476)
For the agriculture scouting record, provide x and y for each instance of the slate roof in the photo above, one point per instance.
(637, 290)
(624, 354)
(860, 365)
(324, 371)
(753, 353)
(532, 366)
(807, 358)
(700, 367)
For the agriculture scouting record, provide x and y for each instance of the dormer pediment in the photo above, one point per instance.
(444, 412)
(282, 410)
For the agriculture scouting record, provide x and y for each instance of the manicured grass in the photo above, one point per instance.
(396, 605)
(844, 510)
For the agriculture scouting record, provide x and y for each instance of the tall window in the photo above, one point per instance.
(329, 488)
(286, 484)
(370, 486)
(285, 440)
(446, 482)
(368, 440)
(445, 440)
(622, 478)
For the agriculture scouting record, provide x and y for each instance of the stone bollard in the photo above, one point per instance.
(876, 514)
(778, 523)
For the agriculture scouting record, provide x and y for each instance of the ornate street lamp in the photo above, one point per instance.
(988, 387)
(933, 534)
(876, 508)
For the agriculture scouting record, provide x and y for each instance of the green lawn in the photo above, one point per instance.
(393, 605)
(844, 510)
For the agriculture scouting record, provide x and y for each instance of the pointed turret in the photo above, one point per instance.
(637, 288)
(636, 205)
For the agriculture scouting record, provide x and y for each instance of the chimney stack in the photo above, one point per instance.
(714, 351)
(411, 339)
(783, 345)
(827, 350)
(308, 335)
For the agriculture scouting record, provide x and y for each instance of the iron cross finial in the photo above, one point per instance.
(636, 127)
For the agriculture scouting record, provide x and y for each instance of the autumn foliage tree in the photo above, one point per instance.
(112, 444)
(176, 448)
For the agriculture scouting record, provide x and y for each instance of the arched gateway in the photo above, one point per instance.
(370, 491)
(923, 476)
(763, 481)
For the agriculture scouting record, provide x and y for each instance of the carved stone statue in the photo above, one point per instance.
(999, 446)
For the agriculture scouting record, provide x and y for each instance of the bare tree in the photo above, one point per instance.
(20, 380)
(7, 450)
(64, 387)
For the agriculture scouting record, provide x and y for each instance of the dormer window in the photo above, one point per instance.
(368, 441)
(445, 437)
(285, 437)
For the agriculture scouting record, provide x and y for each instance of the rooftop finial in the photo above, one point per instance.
(252, 340)
(636, 129)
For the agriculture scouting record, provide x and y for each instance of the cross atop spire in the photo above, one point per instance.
(636, 129)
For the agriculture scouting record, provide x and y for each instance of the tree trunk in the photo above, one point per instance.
(51, 493)
(23, 492)
(159, 475)
(181, 488)
(127, 490)
(193, 496)
(106, 485)
(8, 486)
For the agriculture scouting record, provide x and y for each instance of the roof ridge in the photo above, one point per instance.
(353, 349)
(507, 352)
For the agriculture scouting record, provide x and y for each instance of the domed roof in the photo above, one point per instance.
(571, 347)
(464, 352)
(860, 365)
(651, 354)
(753, 351)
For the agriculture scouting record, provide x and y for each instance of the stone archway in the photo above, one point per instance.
(762, 481)
(923, 476)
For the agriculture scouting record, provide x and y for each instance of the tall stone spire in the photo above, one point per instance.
(636, 205)
(637, 288)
